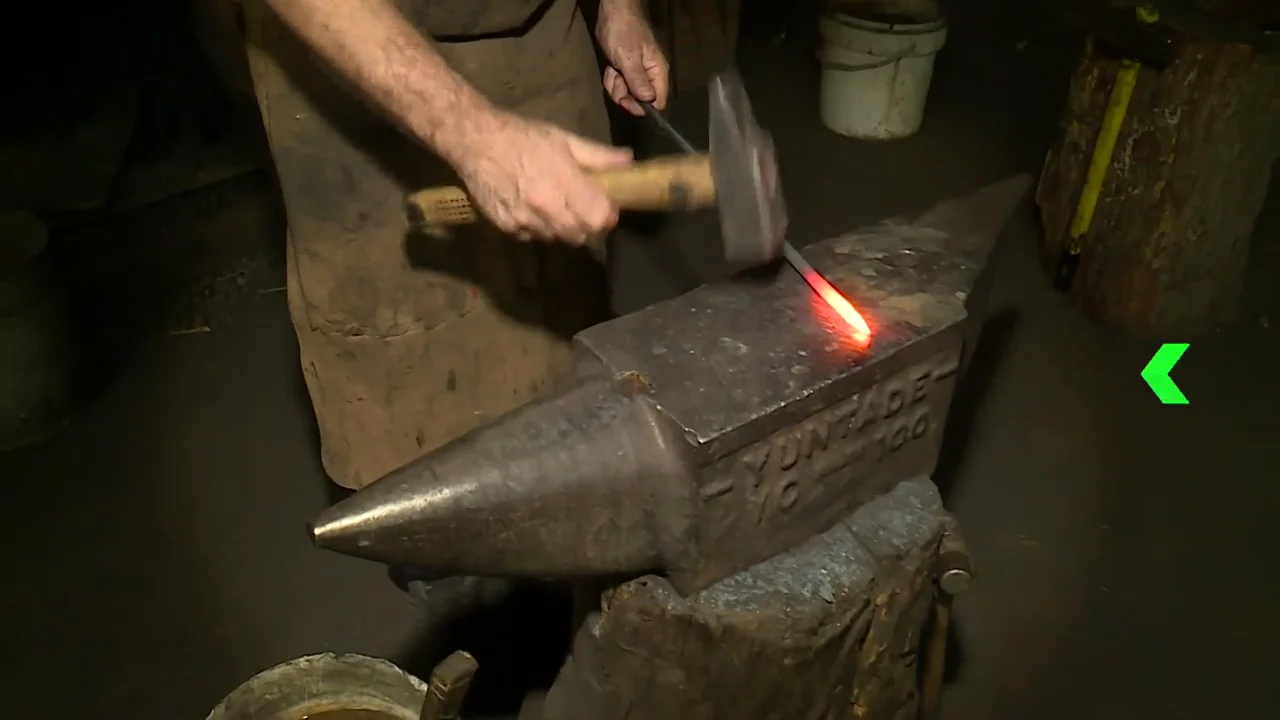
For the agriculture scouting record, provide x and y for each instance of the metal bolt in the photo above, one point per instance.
(955, 573)
(955, 581)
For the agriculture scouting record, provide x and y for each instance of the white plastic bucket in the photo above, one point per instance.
(875, 75)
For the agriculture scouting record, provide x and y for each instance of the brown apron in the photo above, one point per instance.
(408, 342)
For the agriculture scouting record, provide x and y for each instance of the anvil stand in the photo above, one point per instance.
(845, 615)
(804, 546)
(892, 557)
(832, 629)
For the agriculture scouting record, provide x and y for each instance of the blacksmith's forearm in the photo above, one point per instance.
(373, 46)
(637, 6)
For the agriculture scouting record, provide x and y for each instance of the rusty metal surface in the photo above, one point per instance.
(710, 432)
(326, 686)
(722, 358)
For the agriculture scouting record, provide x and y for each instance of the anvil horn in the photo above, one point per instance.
(510, 498)
(709, 432)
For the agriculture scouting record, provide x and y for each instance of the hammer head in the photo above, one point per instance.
(753, 216)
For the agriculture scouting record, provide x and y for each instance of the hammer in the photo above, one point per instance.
(739, 176)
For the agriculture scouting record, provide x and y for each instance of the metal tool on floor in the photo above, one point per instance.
(815, 280)
(739, 175)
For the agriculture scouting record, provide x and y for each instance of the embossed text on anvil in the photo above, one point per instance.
(802, 472)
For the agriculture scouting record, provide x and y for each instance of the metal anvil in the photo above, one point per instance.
(710, 432)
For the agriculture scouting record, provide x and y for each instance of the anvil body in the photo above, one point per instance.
(705, 434)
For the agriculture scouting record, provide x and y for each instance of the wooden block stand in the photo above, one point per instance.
(1166, 252)
(832, 629)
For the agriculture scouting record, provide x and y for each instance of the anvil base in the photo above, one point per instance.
(831, 629)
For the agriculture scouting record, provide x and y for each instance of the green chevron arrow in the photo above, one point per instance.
(1156, 373)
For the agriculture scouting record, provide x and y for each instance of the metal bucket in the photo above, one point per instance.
(36, 357)
(326, 687)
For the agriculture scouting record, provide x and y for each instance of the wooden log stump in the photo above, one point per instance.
(1167, 246)
(832, 629)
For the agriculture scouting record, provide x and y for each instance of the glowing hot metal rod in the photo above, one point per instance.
(705, 434)
(861, 331)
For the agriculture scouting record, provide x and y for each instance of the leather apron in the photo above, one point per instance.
(408, 342)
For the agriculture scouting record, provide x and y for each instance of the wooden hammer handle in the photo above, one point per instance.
(675, 182)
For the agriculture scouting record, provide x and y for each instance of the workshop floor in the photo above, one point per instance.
(157, 553)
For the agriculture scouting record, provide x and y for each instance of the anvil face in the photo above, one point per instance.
(710, 432)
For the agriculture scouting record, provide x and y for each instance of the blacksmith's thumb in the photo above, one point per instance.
(596, 156)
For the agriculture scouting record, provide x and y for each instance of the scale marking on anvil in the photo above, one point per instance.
(709, 432)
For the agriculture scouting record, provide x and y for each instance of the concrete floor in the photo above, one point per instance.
(157, 549)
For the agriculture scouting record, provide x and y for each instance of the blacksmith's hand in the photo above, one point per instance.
(637, 67)
(531, 179)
